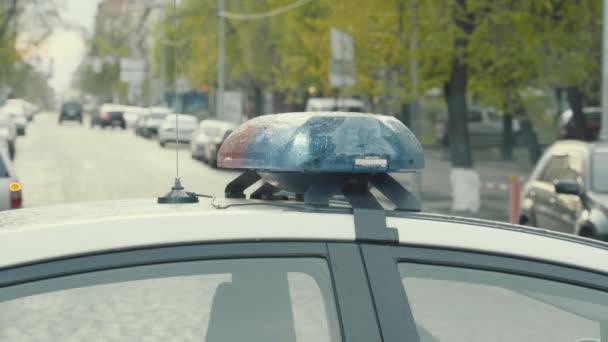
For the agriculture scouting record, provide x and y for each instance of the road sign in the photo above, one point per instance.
(132, 70)
(342, 63)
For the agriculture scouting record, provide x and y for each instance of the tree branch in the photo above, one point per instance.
(12, 11)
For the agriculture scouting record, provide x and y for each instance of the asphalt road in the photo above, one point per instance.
(74, 163)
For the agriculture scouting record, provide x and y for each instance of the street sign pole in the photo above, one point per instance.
(219, 106)
(604, 127)
(163, 60)
(416, 187)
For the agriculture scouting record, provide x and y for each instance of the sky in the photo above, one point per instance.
(67, 47)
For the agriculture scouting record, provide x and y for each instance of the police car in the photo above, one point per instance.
(311, 255)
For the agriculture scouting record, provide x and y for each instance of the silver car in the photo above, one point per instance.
(8, 135)
(208, 138)
(167, 130)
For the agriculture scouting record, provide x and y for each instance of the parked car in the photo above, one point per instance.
(140, 124)
(8, 135)
(17, 114)
(208, 138)
(185, 126)
(29, 109)
(109, 115)
(568, 190)
(325, 104)
(593, 122)
(132, 114)
(154, 118)
(11, 196)
(485, 127)
(71, 111)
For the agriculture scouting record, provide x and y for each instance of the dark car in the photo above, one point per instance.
(109, 115)
(568, 190)
(593, 120)
(71, 111)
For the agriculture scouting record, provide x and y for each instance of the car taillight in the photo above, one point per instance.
(106, 117)
(15, 195)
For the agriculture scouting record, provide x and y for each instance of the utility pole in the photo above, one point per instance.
(163, 59)
(604, 127)
(415, 119)
(219, 106)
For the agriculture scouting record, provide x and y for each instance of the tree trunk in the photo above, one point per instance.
(455, 97)
(507, 137)
(455, 92)
(258, 100)
(528, 135)
(575, 98)
(560, 104)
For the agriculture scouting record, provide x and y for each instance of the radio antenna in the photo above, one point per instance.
(177, 193)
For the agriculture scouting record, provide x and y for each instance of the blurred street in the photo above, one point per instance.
(74, 163)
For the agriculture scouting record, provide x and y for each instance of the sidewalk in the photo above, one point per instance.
(494, 174)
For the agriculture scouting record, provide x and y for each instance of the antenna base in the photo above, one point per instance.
(178, 195)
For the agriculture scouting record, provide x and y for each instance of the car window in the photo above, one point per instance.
(474, 115)
(226, 134)
(494, 116)
(211, 131)
(220, 300)
(555, 169)
(458, 304)
(599, 172)
(72, 106)
(3, 169)
(574, 170)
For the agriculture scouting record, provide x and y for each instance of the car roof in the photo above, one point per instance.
(160, 110)
(134, 109)
(217, 123)
(578, 145)
(330, 101)
(42, 233)
(111, 106)
(185, 117)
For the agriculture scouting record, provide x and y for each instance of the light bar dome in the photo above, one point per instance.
(322, 142)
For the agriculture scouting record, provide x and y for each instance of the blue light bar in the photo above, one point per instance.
(322, 143)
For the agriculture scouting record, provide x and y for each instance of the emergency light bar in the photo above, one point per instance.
(332, 142)
(318, 155)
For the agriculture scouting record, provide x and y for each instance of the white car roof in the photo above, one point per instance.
(13, 108)
(217, 123)
(34, 234)
(134, 109)
(159, 110)
(111, 106)
(330, 101)
(182, 118)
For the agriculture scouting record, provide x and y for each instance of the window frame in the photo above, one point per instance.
(356, 318)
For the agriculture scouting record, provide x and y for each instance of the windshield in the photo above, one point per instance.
(599, 172)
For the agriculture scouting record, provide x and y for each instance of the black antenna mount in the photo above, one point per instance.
(178, 195)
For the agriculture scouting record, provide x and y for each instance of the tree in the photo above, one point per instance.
(571, 33)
